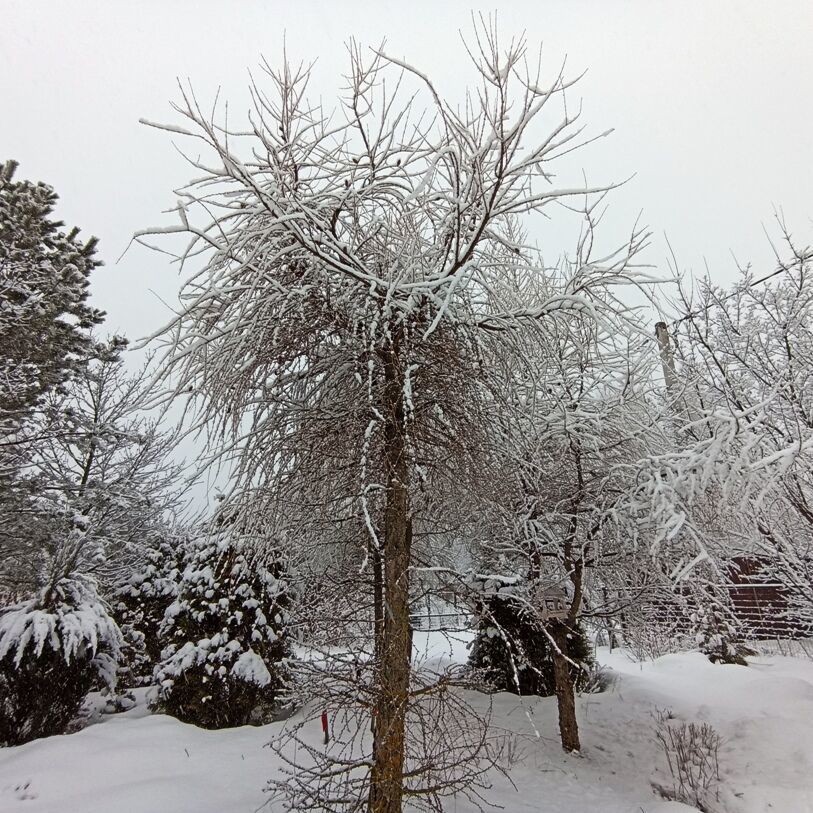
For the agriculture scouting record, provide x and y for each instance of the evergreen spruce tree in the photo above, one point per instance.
(225, 660)
(45, 336)
(512, 651)
(45, 318)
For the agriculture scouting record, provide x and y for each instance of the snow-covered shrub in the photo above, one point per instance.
(514, 654)
(53, 650)
(225, 660)
(716, 636)
(140, 605)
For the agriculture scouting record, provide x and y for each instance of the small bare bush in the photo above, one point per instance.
(691, 751)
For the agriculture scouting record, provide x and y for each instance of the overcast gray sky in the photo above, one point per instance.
(710, 102)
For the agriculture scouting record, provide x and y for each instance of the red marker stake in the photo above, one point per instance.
(325, 728)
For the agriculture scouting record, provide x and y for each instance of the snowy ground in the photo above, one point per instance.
(140, 763)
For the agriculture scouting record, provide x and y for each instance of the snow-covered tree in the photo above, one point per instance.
(100, 482)
(737, 478)
(92, 494)
(573, 408)
(45, 317)
(331, 337)
(225, 659)
(45, 324)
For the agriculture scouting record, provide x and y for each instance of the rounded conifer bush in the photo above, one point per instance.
(53, 650)
(511, 651)
(139, 608)
(224, 663)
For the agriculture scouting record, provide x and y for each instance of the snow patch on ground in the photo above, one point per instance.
(135, 762)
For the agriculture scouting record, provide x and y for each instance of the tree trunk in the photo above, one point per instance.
(387, 773)
(378, 602)
(565, 694)
(378, 616)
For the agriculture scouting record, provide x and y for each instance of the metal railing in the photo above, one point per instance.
(459, 621)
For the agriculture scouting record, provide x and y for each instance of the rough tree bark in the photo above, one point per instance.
(386, 789)
(378, 601)
(565, 694)
(378, 616)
